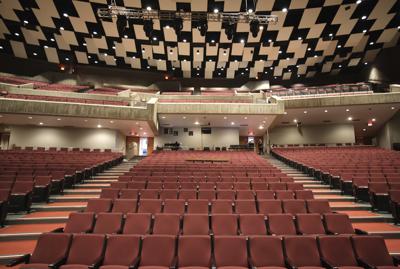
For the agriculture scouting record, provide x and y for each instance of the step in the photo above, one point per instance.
(92, 186)
(105, 177)
(315, 186)
(325, 192)
(101, 181)
(349, 206)
(60, 207)
(48, 220)
(94, 191)
(72, 198)
(334, 198)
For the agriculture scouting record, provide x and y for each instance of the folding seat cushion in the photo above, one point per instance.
(149, 206)
(230, 252)
(302, 252)
(154, 185)
(294, 206)
(226, 194)
(284, 195)
(174, 206)
(245, 207)
(158, 251)
(129, 194)
(138, 223)
(186, 194)
(224, 224)
(124, 206)
(245, 195)
(269, 206)
(259, 186)
(318, 206)
(281, 224)
(149, 194)
(309, 224)
(166, 224)
(222, 207)
(337, 251)
(51, 248)
(207, 195)
(121, 251)
(337, 223)
(190, 244)
(169, 194)
(252, 224)
(266, 252)
(86, 250)
(99, 205)
(276, 186)
(265, 194)
(196, 224)
(304, 194)
(224, 186)
(198, 207)
(79, 222)
(109, 193)
(139, 185)
(108, 223)
(372, 252)
(293, 186)
(378, 195)
(21, 196)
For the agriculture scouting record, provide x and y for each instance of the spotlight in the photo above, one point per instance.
(254, 27)
(178, 26)
(148, 27)
(229, 30)
(202, 27)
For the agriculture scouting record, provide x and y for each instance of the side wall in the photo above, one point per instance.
(219, 137)
(390, 133)
(313, 134)
(35, 136)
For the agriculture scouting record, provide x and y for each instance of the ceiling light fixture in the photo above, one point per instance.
(284, 9)
(41, 123)
(196, 123)
(350, 118)
(99, 126)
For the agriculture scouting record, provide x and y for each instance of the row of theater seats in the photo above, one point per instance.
(205, 207)
(369, 173)
(194, 100)
(62, 149)
(218, 182)
(203, 224)
(201, 252)
(66, 99)
(185, 194)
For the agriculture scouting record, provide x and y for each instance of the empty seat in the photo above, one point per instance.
(252, 224)
(174, 206)
(230, 252)
(378, 195)
(206, 186)
(265, 194)
(124, 206)
(121, 252)
(158, 251)
(119, 185)
(241, 186)
(21, 196)
(372, 252)
(169, 194)
(226, 194)
(51, 248)
(294, 206)
(109, 193)
(245, 195)
(259, 186)
(394, 196)
(336, 223)
(154, 186)
(129, 194)
(196, 224)
(245, 207)
(304, 194)
(281, 224)
(276, 186)
(221, 206)
(149, 206)
(149, 194)
(206, 195)
(166, 224)
(302, 251)
(310, 224)
(86, 250)
(266, 207)
(318, 206)
(198, 206)
(79, 222)
(138, 223)
(224, 224)
(198, 244)
(266, 252)
(337, 251)
(284, 195)
(186, 194)
(294, 186)
(108, 223)
(224, 186)
(138, 185)
(99, 205)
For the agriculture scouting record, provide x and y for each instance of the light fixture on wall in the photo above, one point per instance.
(196, 123)
(99, 126)
(350, 118)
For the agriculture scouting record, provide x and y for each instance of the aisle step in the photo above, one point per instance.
(72, 198)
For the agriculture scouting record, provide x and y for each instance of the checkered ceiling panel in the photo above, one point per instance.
(311, 36)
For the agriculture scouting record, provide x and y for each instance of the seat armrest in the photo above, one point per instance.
(23, 259)
(358, 231)
(58, 263)
(174, 263)
(326, 264)
(251, 263)
(365, 264)
(96, 264)
(135, 263)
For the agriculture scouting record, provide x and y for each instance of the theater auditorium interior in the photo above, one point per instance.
(195, 134)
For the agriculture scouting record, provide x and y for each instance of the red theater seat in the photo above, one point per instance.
(222, 207)
(80, 222)
(318, 206)
(266, 252)
(266, 207)
(124, 206)
(149, 206)
(294, 206)
(252, 224)
(230, 252)
(281, 224)
(245, 207)
(122, 252)
(166, 224)
(158, 251)
(99, 205)
(198, 206)
(198, 244)
(174, 206)
(302, 252)
(138, 223)
(196, 224)
(224, 224)
(338, 224)
(108, 223)
(309, 224)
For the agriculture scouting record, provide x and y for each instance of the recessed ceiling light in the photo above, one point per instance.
(347, 110)
(94, 32)
(46, 47)
(299, 38)
(90, 57)
(285, 113)
(373, 119)
(30, 117)
(1, 47)
(271, 68)
(358, 2)
(280, 52)
(260, 127)
(371, 43)
(232, 123)
(364, 130)
(225, 118)
(163, 117)
(216, 10)
(284, 9)
(340, 66)
(41, 123)
(325, 110)
(350, 118)
(295, 120)
(392, 108)
(305, 112)
(65, 15)
(58, 119)
(148, 8)
(17, 34)
(339, 46)
(287, 58)
(309, 49)
(125, 36)
(67, 59)
(184, 40)
(261, 27)
(99, 126)
(148, 67)
(141, 128)
(35, 54)
(250, 10)
(111, 121)
(364, 17)
(167, 26)
(364, 31)
(330, 34)
(365, 63)
(183, 117)
(315, 56)
(242, 41)
(95, 62)
(245, 118)
(196, 123)
(62, 29)
(242, 73)
(155, 38)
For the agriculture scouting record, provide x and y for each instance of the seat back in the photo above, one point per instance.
(302, 251)
(222, 207)
(318, 206)
(266, 251)
(372, 250)
(108, 223)
(281, 224)
(272, 206)
(138, 223)
(294, 206)
(196, 224)
(252, 224)
(99, 205)
(174, 206)
(124, 206)
(198, 244)
(166, 224)
(158, 250)
(337, 223)
(230, 251)
(121, 250)
(129, 194)
(309, 224)
(224, 224)
(284, 194)
(198, 206)
(245, 207)
(337, 250)
(109, 193)
(79, 222)
(50, 248)
(304, 194)
(86, 249)
(265, 194)
(149, 206)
